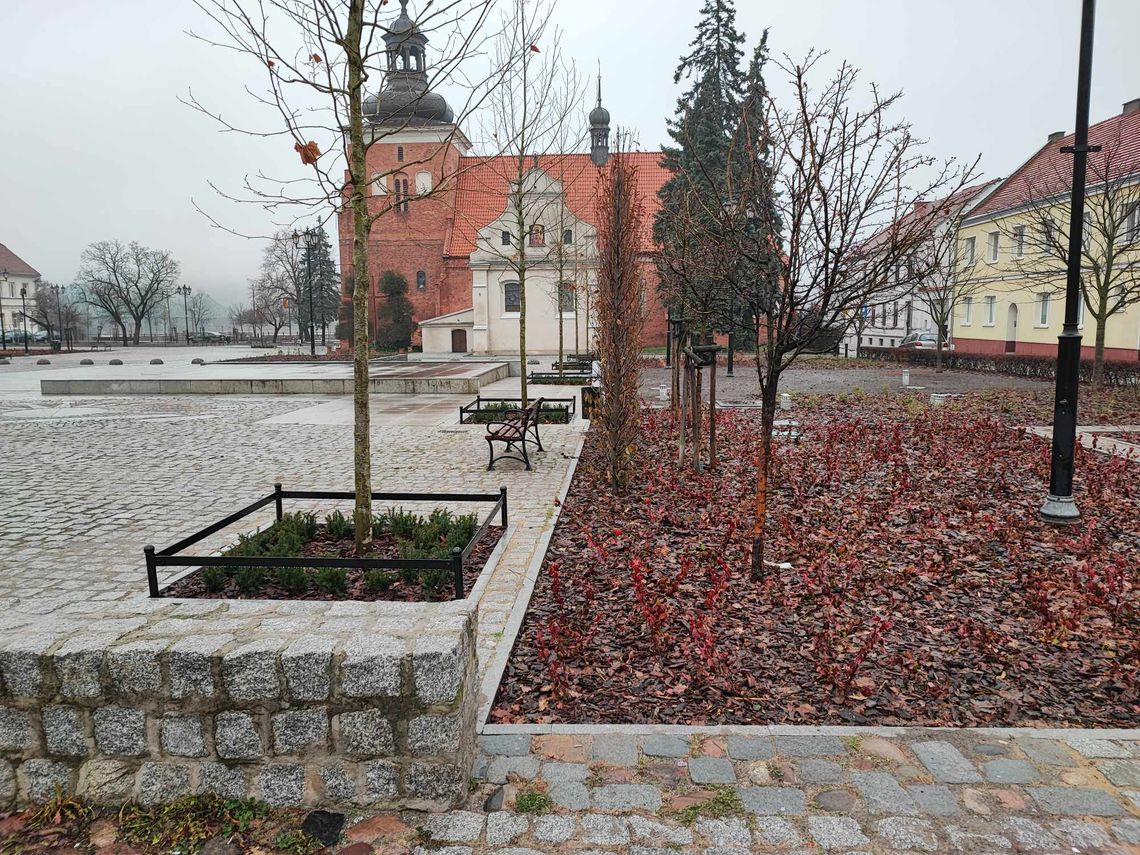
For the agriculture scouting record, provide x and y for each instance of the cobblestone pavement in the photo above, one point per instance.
(836, 791)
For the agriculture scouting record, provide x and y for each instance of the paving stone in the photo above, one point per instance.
(236, 736)
(366, 733)
(78, 664)
(607, 830)
(658, 832)
(1090, 746)
(503, 827)
(991, 749)
(371, 668)
(226, 781)
(933, 799)
(750, 747)
(511, 745)
(726, 850)
(649, 850)
(190, 663)
(809, 746)
(626, 797)
(134, 669)
(1132, 796)
(162, 782)
(724, 832)
(41, 779)
(337, 783)
(564, 747)
(946, 763)
(282, 786)
(64, 731)
(297, 731)
(835, 801)
(458, 826)
(1047, 752)
(570, 795)
(15, 730)
(1007, 771)
(553, 771)
(501, 768)
(1123, 773)
(307, 665)
(711, 770)
(249, 672)
(774, 800)
(968, 840)
(121, 731)
(1082, 834)
(517, 850)
(882, 794)
(1031, 836)
(380, 779)
(22, 666)
(182, 736)
(1075, 801)
(1127, 831)
(554, 829)
(836, 832)
(434, 734)
(613, 749)
(907, 833)
(445, 850)
(444, 783)
(886, 749)
(775, 831)
(665, 746)
(107, 782)
(819, 772)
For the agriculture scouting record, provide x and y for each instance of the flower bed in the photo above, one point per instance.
(396, 534)
(481, 411)
(923, 588)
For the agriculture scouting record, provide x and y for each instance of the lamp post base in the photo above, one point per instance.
(1060, 509)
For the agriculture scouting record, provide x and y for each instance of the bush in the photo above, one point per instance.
(293, 579)
(379, 580)
(1116, 372)
(249, 579)
(332, 579)
(214, 578)
(338, 525)
(402, 524)
(435, 580)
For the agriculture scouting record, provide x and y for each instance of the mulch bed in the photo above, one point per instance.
(323, 545)
(923, 588)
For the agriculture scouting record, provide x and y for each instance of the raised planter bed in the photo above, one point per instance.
(555, 411)
(567, 378)
(413, 558)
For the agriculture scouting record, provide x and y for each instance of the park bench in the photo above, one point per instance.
(518, 427)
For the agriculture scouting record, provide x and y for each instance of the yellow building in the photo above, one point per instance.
(1012, 249)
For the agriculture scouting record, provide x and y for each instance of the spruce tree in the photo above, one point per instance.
(394, 324)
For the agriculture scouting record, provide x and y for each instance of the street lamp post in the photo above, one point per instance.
(312, 238)
(3, 334)
(24, 312)
(184, 290)
(59, 314)
(1059, 506)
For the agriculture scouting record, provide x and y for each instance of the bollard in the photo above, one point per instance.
(785, 401)
(906, 376)
(663, 392)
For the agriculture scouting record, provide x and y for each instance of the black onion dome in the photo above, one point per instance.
(405, 98)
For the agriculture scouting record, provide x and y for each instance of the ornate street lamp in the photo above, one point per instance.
(24, 312)
(312, 239)
(3, 334)
(184, 290)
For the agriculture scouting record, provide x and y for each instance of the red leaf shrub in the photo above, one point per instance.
(923, 589)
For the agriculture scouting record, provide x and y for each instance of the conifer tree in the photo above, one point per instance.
(394, 324)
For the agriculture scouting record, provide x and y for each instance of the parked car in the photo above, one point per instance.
(209, 337)
(923, 341)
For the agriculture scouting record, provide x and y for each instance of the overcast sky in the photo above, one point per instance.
(94, 143)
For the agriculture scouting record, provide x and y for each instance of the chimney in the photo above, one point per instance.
(1056, 136)
(1130, 106)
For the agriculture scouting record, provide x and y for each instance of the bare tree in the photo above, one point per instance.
(843, 169)
(126, 281)
(317, 57)
(202, 311)
(50, 308)
(954, 276)
(283, 276)
(532, 118)
(1039, 236)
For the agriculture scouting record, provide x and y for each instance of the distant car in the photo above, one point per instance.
(923, 341)
(209, 337)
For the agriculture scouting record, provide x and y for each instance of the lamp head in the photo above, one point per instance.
(296, 238)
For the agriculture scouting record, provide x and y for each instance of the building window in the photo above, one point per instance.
(400, 184)
(511, 297)
(1043, 309)
(567, 297)
(1048, 232)
(967, 311)
(1132, 224)
(421, 280)
(537, 235)
(400, 153)
(567, 237)
(991, 311)
(423, 183)
(1018, 241)
(895, 314)
(505, 238)
(995, 245)
(379, 184)
(1081, 312)
(969, 249)
(1086, 231)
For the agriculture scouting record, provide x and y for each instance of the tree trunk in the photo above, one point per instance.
(712, 416)
(1098, 356)
(126, 335)
(763, 463)
(136, 333)
(361, 422)
(522, 321)
(938, 353)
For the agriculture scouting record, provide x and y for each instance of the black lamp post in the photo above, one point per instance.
(3, 334)
(312, 238)
(59, 314)
(184, 290)
(24, 312)
(1059, 506)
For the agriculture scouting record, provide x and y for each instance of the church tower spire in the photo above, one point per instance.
(405, 100)
(599, 129)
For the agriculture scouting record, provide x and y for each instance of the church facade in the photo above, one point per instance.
(453, 234)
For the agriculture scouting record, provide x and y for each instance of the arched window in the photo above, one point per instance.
(567, 297)
(379, 184)
(568, 237)
(423, 183)
(400, 153)
(421, 280)
(400, 187)
(512, 301)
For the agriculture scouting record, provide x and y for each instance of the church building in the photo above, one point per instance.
(450, 233)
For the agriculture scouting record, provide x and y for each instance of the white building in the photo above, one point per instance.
(16, 277)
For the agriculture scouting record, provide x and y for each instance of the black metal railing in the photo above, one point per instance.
(170, 557)
(472, 413)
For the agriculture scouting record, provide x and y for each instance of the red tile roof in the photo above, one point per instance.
(481, 196)
(14, 264)
(1050, 172)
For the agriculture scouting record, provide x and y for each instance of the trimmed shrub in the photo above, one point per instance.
(1116, 372)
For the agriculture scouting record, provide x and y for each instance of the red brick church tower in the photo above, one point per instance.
(412, 160)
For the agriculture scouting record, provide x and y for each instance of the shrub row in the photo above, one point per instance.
(1116, 372)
